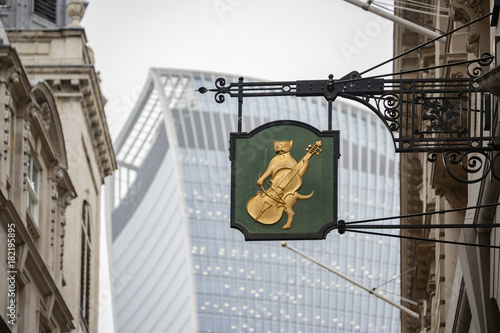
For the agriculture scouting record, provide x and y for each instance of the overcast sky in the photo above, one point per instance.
(268, 39)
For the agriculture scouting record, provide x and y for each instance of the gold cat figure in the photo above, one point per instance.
(268, 206)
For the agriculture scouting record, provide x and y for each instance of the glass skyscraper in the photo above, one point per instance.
(179, 267)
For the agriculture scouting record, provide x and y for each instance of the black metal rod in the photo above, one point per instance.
(262, 94)
(423, 226)
(432, 67)
(330, 115)
(278, 84)
(424, 239)
(240, 104)
(426, 43)
(422, 214)
(445, 81)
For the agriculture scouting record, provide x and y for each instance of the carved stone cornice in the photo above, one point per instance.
(465, 11)
(445, 186)
(71, 78)
(490, 81)
(58, 175)
(11, 78)
(98, 128)
(90, 97)
(65, 201)
(7, 115)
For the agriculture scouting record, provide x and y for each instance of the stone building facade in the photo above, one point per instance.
(55, 134)
(454, 288)
(35, 191)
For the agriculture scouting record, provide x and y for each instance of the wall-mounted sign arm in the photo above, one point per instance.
(330, 89)
(447, 116)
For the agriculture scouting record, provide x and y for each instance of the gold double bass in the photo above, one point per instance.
(268, 205)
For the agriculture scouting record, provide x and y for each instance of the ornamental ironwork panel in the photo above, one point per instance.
(451, 116)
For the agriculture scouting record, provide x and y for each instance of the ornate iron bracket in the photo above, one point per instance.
(450, 116)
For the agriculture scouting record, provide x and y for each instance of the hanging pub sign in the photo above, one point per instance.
(284, 173)
(284, 181)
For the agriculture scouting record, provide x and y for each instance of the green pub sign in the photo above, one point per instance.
(284, 181)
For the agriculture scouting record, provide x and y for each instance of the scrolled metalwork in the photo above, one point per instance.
(470, 162)
(219, 97)
(460, 165)
(419, 97)
(486, 59)
(220, 83)
(388, 104)
(220, 90)
(475, 69)
(433, 115)
(391, 101)
(443, 115)
(432, 157)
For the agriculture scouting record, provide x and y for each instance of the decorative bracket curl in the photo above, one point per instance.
(461, 165)
(440, 115)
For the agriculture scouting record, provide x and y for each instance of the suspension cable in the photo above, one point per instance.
(423, 214)
(424, 239)
(409, 10)
(426, 43)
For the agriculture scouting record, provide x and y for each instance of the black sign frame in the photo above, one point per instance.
(283, 235)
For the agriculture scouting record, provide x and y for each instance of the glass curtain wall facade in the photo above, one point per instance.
(178, 266)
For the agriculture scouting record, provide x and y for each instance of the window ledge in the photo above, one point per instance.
(32, 227)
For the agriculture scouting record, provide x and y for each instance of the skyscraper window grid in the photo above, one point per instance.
(237, 285)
